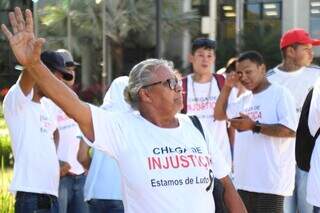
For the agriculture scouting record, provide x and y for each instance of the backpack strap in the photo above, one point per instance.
(184, 94)
(196, 122)
(317, 134)
(220, 80)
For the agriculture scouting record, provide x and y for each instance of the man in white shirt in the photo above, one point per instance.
(265, 121)
(72, 181)
(202, 88)
(36, 169)
(296, 74)
(166, 164)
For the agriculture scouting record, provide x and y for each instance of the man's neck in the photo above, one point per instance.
(264, 85)
(202, 78)
(289, 66)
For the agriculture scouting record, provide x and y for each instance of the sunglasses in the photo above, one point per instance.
(172, 83)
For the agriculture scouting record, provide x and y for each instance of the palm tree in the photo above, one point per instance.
(124, 19)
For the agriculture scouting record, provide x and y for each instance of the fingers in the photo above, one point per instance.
(38, 46)
(6, 32)
(29, 21)
(13, 22)
(20, 20)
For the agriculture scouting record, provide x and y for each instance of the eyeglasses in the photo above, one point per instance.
(171, 82)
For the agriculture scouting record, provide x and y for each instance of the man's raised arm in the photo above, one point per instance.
(27, 49)
(222, 101)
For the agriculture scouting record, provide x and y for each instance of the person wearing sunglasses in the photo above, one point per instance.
(164, 161)
(73, 177)
(34, 137)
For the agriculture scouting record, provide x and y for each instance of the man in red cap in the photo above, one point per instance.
(298, 76)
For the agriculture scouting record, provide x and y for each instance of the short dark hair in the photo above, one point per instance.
(203, 43)
(253, 56)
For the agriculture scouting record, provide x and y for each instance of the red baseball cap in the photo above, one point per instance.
(297, 36)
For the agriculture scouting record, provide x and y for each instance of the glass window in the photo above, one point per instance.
(315, 18)
(252, 11)
(202, 6)
(271, 10)
(227, 11)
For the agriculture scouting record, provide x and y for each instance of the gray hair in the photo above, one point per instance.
(141, 75)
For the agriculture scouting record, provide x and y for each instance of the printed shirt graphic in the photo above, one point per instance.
(163, 169)
(31, 128)
(202, 106)
(263, 163)
(68, 136)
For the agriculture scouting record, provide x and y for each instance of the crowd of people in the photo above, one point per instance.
(205, 142)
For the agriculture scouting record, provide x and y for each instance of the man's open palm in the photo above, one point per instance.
(25, 46)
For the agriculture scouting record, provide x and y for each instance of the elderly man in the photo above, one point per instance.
(165, 163)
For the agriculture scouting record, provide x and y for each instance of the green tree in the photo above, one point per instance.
(125, 18)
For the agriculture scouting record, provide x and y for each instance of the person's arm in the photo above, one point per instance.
(222, 101)
(64, 168)
(244, 123)
(231, 197)
(27, 49)
(83, 155)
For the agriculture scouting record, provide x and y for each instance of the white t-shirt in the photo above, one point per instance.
(162, 169)
(104, 179)
(262, 163)
(298, 82)
(313, 184)
(68, 136)
(203, 108)
(36, 167)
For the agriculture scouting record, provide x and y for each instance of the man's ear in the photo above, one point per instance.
(263, 68)
(144, 95)
(290, 51)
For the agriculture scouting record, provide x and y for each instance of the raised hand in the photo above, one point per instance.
(25, 46)
(232, 79)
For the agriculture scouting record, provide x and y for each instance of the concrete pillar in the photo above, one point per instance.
(186, 38)
(295, 13)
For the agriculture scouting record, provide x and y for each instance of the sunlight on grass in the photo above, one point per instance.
(6, 198)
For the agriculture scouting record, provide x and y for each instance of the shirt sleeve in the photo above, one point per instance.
(286, 110)
(219, 165)
(16, 101)
(314, 113)
(108, 131)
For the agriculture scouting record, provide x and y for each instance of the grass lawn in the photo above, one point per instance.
(6, 198)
